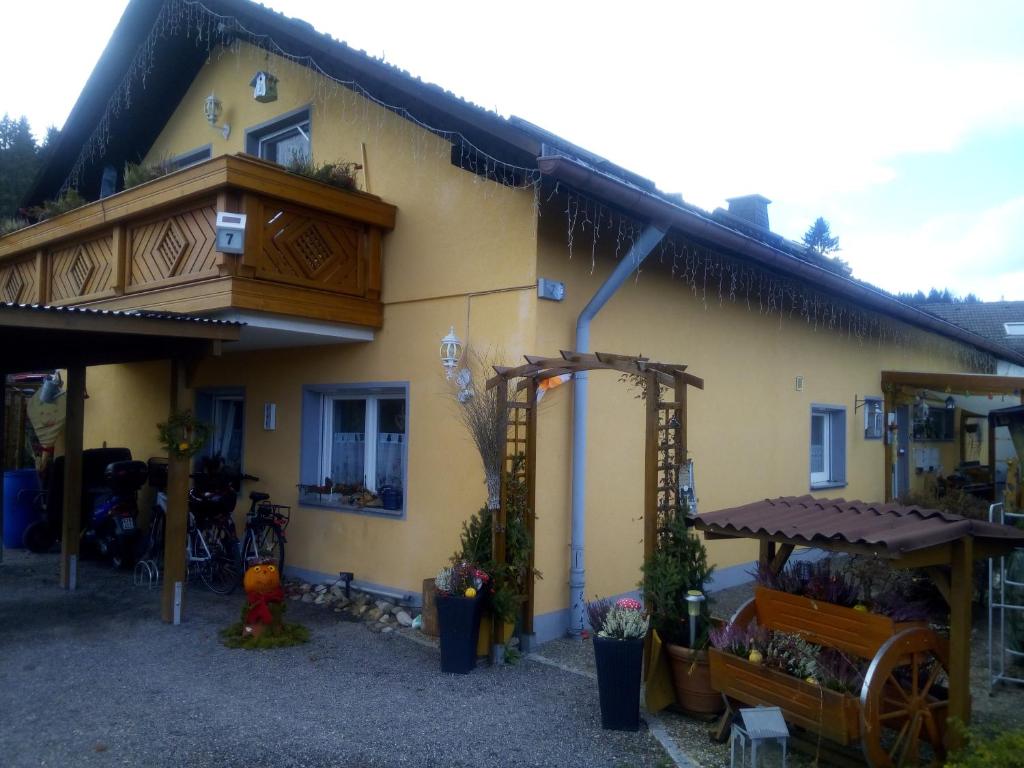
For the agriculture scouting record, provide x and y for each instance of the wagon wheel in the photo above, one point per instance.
(904, 700)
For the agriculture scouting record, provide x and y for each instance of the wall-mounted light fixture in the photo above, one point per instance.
(212, 108)
(451, 353)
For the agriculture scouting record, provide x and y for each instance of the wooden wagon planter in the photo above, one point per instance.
(916, 680)
(903, 702)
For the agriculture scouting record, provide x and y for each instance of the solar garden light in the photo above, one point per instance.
(451, 352)
(693, 600)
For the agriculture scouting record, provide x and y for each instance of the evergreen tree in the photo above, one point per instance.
(19, 161)
(818, 237)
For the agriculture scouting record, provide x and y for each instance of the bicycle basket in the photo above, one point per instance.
(279, 514)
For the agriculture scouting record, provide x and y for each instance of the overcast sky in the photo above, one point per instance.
(902, 123)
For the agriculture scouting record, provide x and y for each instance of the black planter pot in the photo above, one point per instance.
(458, 620)
(618, 681)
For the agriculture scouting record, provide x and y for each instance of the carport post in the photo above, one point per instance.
(3, 457)
(961, 583)
(74, 428)
(176, 526)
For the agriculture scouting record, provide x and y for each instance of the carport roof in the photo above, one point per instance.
(34, 337)
(885, 530)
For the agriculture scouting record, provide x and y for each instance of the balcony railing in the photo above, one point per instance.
(311, 250)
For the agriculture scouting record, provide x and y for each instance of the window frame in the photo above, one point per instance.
(833, 446)
(206, 411)
(257, 135)
(192, 157)
(317, 445)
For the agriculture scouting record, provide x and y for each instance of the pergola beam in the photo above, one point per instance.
(538, 367)
(976, 383)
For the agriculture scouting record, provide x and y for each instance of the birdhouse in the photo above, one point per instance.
(264, 87)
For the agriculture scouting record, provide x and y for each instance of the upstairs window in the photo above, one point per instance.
(282, 140)
(828, 446)
(192, 157)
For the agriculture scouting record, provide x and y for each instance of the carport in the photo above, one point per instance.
(34, 337)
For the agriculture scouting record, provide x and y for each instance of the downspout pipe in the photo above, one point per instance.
(642, 247)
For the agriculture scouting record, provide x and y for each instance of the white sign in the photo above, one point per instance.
(231, 232)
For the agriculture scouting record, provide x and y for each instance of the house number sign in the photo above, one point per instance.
(231, 232)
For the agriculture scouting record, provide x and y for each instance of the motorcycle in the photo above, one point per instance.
(112, 523)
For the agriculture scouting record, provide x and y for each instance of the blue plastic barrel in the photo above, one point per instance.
(20, 488)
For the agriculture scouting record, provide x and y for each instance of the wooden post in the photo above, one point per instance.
(74, 430)
(531, 501)
(3, 454)
(887, 435)
(961, 588)
(681, 416)
(651, 438)
(176, 525)
(500, 516)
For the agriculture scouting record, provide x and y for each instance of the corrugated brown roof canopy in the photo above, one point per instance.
(889, 531)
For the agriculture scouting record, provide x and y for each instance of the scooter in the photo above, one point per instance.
(111, 528)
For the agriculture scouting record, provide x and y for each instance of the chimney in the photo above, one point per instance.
(752, 209)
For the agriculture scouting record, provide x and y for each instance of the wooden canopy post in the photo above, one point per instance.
(176, 524)
(3, 457)
(74, 432)
(889, 404)
(526, 640)
(961, 588)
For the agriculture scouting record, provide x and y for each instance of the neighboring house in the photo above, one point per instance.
(347, 297)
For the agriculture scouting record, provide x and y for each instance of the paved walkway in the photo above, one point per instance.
(94, 679)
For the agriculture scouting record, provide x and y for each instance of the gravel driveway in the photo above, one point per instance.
(95, 679)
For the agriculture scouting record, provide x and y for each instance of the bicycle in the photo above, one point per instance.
(264, 536)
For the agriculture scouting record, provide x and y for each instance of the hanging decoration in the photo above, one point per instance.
(182, 435)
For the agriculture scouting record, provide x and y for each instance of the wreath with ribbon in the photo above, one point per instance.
(183, 435)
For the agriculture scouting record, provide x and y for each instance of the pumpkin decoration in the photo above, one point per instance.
(262, 624)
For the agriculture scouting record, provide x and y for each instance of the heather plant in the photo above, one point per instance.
(597, 610)
(792, 654)
(738, 640)
(625, 621)
(834, 670)
(830, 585)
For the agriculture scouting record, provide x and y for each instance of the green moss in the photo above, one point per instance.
(1000, 750)
(278, 637)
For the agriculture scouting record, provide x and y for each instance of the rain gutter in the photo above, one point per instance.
(642, 247)
(651, 207)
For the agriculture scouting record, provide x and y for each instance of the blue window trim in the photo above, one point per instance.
(254, 133)
(837, 443)
(311, 442)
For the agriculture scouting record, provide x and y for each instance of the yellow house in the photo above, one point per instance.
(518, 240)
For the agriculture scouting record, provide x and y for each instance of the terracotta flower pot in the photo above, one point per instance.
(691, 677)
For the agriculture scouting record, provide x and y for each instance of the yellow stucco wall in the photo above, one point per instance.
(467, 252)
(749, 428)
(463, 254)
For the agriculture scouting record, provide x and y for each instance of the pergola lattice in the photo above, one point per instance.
(664, 441)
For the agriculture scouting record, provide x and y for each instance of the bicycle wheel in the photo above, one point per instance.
(223, 572)
(270, 544)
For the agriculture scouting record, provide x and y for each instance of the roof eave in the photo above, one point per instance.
(661, 211)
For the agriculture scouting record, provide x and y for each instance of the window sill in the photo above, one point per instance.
(326, 502)
(833, 484)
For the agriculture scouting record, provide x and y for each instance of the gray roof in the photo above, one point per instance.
(71, 310)
(985, 318)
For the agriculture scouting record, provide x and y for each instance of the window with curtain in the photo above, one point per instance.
(828, 447)
(361, 444)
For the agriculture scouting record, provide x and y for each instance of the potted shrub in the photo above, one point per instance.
(676, 569)
(459, 604)
(620, 630)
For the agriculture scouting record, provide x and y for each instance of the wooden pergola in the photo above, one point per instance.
(34, 338)
(664, 442)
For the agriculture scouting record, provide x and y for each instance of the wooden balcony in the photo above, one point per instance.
(311, 251)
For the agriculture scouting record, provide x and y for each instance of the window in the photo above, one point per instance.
(224, 410)
(191, 157)
(828, 446)
(874, 419)
(283, 139)
(356, 438)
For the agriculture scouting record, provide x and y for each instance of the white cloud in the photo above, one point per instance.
(967, 253)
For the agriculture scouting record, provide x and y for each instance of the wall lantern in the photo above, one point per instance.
(451, 353)
(212, 109)
(264, 87)
(950, 403)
